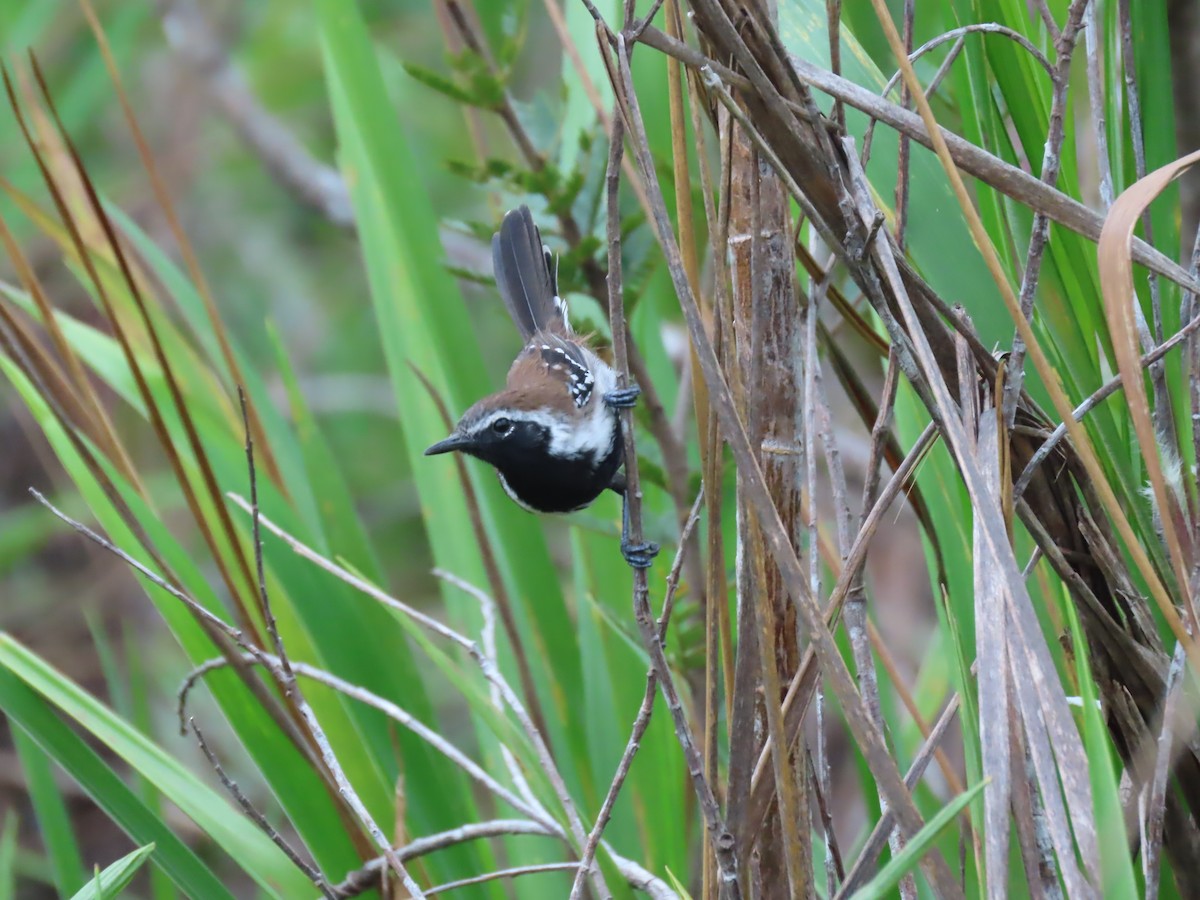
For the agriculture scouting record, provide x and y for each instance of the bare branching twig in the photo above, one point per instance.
(642, 720)
(255, 654)
(253, 813)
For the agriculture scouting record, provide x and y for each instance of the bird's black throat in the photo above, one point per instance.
(544, 482)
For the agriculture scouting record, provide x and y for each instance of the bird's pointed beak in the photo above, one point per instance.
(449, 445)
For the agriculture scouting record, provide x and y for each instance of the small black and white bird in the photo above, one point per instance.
(554, 433)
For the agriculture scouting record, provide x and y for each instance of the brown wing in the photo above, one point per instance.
(570, 382)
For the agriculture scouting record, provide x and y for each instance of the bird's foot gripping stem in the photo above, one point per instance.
(640, 555)
(625, 398)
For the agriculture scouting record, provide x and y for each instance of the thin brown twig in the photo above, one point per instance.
(640, 723)
(958, 35)
(834, 863)
(892, 668)
(879, 432)
(855, 611)
(1048, 20)
(1106, 390)
(256, 816)
(833, 26)
(634, 28)
(346, 789)
(260, 570)
(1164, 420)
(864, 865)
(974, 28)
(676, 571)
(718, 834)
(642, 720)
(513, 872)
(1051, 162)
(907, 886)
(367, 877)
(944, 69)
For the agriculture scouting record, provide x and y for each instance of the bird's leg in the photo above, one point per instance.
(626, 398)
(640, 556)
(637, 555)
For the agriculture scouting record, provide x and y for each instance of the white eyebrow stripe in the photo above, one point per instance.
(592, 433)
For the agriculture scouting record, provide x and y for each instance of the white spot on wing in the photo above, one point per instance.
(561, 305)
(579, 375)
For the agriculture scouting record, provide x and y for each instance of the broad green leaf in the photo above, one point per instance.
(237, 835)
(422, 323)
(106, 788)
(289, 774)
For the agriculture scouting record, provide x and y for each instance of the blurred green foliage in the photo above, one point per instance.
(329, 327)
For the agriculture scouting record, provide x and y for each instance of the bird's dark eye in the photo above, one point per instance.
(502, 427)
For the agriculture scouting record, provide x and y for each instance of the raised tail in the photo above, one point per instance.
(527, 276)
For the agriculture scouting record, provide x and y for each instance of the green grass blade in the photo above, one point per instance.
(906, 860)
(50, 810)
(1116, 866)
(8, 856)
(116, 876)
